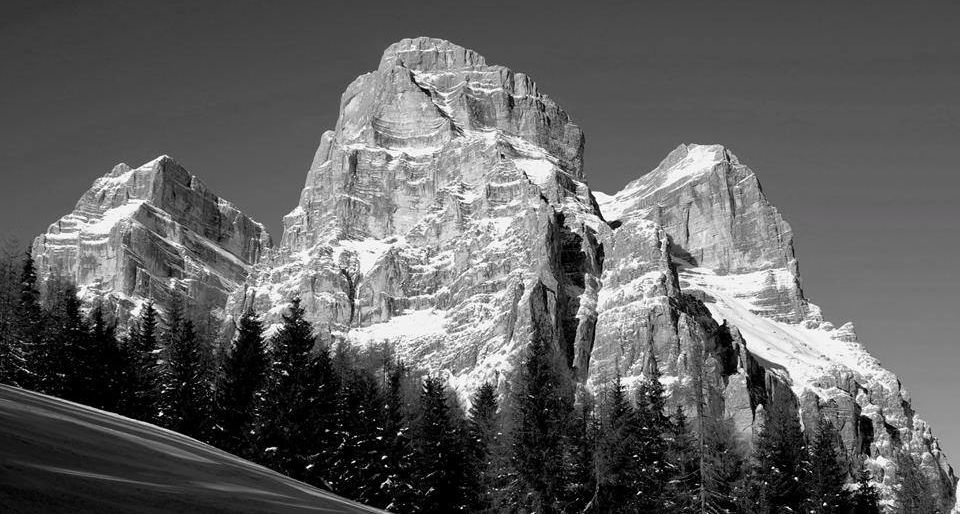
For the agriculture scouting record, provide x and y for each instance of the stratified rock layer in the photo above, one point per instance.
(724, 245)
(148, 232)
(447, 214)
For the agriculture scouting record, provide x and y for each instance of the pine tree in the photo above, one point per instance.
(684, 488)
(140, 399)
(653, 426)
(626, 452)
(185, 380)
(773, 482)
(288, 432)
(913, 493)
(242, 377)
(484, 439)
(825, 478)
(13, 332)
(70, 366)
(865, 499)
(721, 466)
(440, 460)
(358, 467)
(397, 487)
(107, 365)
(542, 408)
(581, 476)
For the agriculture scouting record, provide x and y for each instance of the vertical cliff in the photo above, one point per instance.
(147, 232)
(730, 249)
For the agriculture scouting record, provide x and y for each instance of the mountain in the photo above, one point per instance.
(149, 233)
(448, 215)
(59, 456)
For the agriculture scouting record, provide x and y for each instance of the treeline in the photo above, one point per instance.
(367, 427)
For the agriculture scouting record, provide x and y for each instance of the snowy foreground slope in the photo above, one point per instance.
(58, 456)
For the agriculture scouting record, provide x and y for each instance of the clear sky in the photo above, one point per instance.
(848, 112)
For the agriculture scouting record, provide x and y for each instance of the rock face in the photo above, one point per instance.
(447, 214)
(148, 232)
(732, 253)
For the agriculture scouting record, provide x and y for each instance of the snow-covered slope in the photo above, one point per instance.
(733, 251)
(57, 456)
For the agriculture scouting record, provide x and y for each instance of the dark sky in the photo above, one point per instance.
(848, 111)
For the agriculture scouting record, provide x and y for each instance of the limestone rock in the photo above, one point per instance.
(144, 233)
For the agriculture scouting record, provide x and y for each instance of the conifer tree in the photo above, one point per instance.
(69, 363)
(296, 410)
(542, 408)
(357, 470)
(865, 499)
(107, 363)
(653, 426)
(484, 440)
(242, 377)
(34, 336)
(398, 489)
(774, 477)
(626, 451)
(825, 477)
(683, 490)
(581, 479)
(13, 332)
(185, 379)
(440, 460)
(913, 493)
(143, 349)
(721, 466)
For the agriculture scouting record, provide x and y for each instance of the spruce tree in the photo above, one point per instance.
(143, 348)
(774, 478)
(440, 473)
(296, 412)
(14, 329)
(683, 456)
(108, 363)
(358, 469)
(721, 466)
(484, 440)
(242, 377)
(913, 492)
(185, 380)
(542, 408)
(653, 426)
(398, 488)
(625, 454)
(825, 477)
(69, 364)
(866, 499)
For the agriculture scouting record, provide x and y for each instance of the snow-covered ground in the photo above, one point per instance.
(57, 456)
(807, 352)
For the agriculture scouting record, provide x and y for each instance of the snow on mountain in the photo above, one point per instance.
(733, 251)
(143, 233)
(447, 213)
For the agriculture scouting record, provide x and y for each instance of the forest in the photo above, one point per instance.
(369, 427)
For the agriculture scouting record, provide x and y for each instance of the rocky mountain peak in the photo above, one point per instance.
(447, 215)
(149, 232)
(430, 54)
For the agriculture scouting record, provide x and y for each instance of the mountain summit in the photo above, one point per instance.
(448, 214)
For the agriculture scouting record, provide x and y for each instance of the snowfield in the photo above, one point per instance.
(58, 456)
